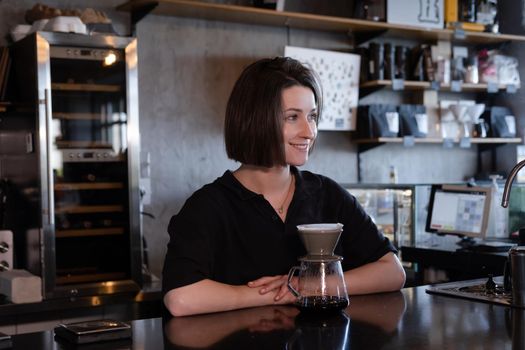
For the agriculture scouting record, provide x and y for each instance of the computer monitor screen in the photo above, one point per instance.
(458, 210)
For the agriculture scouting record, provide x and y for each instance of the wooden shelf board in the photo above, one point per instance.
(85, 87)
(77, 116)
(88, 186)
(496, 140)
(106, 231)
(422, 85)
(253, 15)
(92, 277)
(82, 144)
(435, 140)
(82, 209)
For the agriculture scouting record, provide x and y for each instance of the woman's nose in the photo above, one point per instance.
(308, 129)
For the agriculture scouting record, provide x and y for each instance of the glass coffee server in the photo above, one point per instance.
(87, 238)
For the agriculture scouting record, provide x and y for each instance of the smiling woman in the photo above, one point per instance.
(234, 240)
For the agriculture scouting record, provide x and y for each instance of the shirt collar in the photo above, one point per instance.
(230, 182)
(303, 189)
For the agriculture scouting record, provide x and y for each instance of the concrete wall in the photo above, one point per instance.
(187, 68)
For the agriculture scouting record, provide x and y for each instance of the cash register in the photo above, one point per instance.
(463, 211)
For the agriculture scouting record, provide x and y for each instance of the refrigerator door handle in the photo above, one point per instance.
(50, 185)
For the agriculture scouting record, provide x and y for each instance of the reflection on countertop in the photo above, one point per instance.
(370, 319)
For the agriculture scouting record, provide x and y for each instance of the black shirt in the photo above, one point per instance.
(229, 234)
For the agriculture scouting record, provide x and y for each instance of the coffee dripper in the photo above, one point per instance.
(320, 283)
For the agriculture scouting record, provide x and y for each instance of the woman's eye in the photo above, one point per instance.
(312, 117)
(291, 117)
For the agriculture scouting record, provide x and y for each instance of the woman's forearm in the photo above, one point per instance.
(383, 275)
(209, 296)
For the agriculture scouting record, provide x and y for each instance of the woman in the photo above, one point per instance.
(234, 240)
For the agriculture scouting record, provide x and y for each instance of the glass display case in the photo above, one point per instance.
(391, 207)
(78, 99)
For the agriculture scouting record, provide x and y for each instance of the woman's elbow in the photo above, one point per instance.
(400, 278)
(176, 304)
(396, 272)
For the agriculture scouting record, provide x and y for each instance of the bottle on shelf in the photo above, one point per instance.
(393, 175)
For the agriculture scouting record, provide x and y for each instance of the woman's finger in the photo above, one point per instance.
(263, 281)
(272, 285)
(285, 291)
(282, 292)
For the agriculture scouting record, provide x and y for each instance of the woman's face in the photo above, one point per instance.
(299, 127)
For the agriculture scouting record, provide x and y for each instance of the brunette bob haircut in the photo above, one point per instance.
(254, 116)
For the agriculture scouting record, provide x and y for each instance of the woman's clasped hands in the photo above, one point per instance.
(275, 284)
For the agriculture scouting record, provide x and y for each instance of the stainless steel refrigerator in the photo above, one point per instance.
(73, 167)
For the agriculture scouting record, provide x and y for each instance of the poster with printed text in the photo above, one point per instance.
(339, 75)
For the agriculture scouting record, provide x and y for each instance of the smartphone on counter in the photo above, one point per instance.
(93, 331)
(5, 341)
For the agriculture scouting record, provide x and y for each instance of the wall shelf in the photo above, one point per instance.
(426, 85)
(254, 15)
(366, 144)
(477, 140)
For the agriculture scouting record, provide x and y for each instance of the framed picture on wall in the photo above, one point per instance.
(339, 74)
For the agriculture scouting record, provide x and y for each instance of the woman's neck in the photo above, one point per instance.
(264, 180)
(275, 184)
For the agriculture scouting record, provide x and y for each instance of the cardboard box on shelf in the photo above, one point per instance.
(451, 11)
(423, 13)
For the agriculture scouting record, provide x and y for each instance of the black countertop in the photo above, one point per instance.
(34, 317)
(409, 319)
(150, 292)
